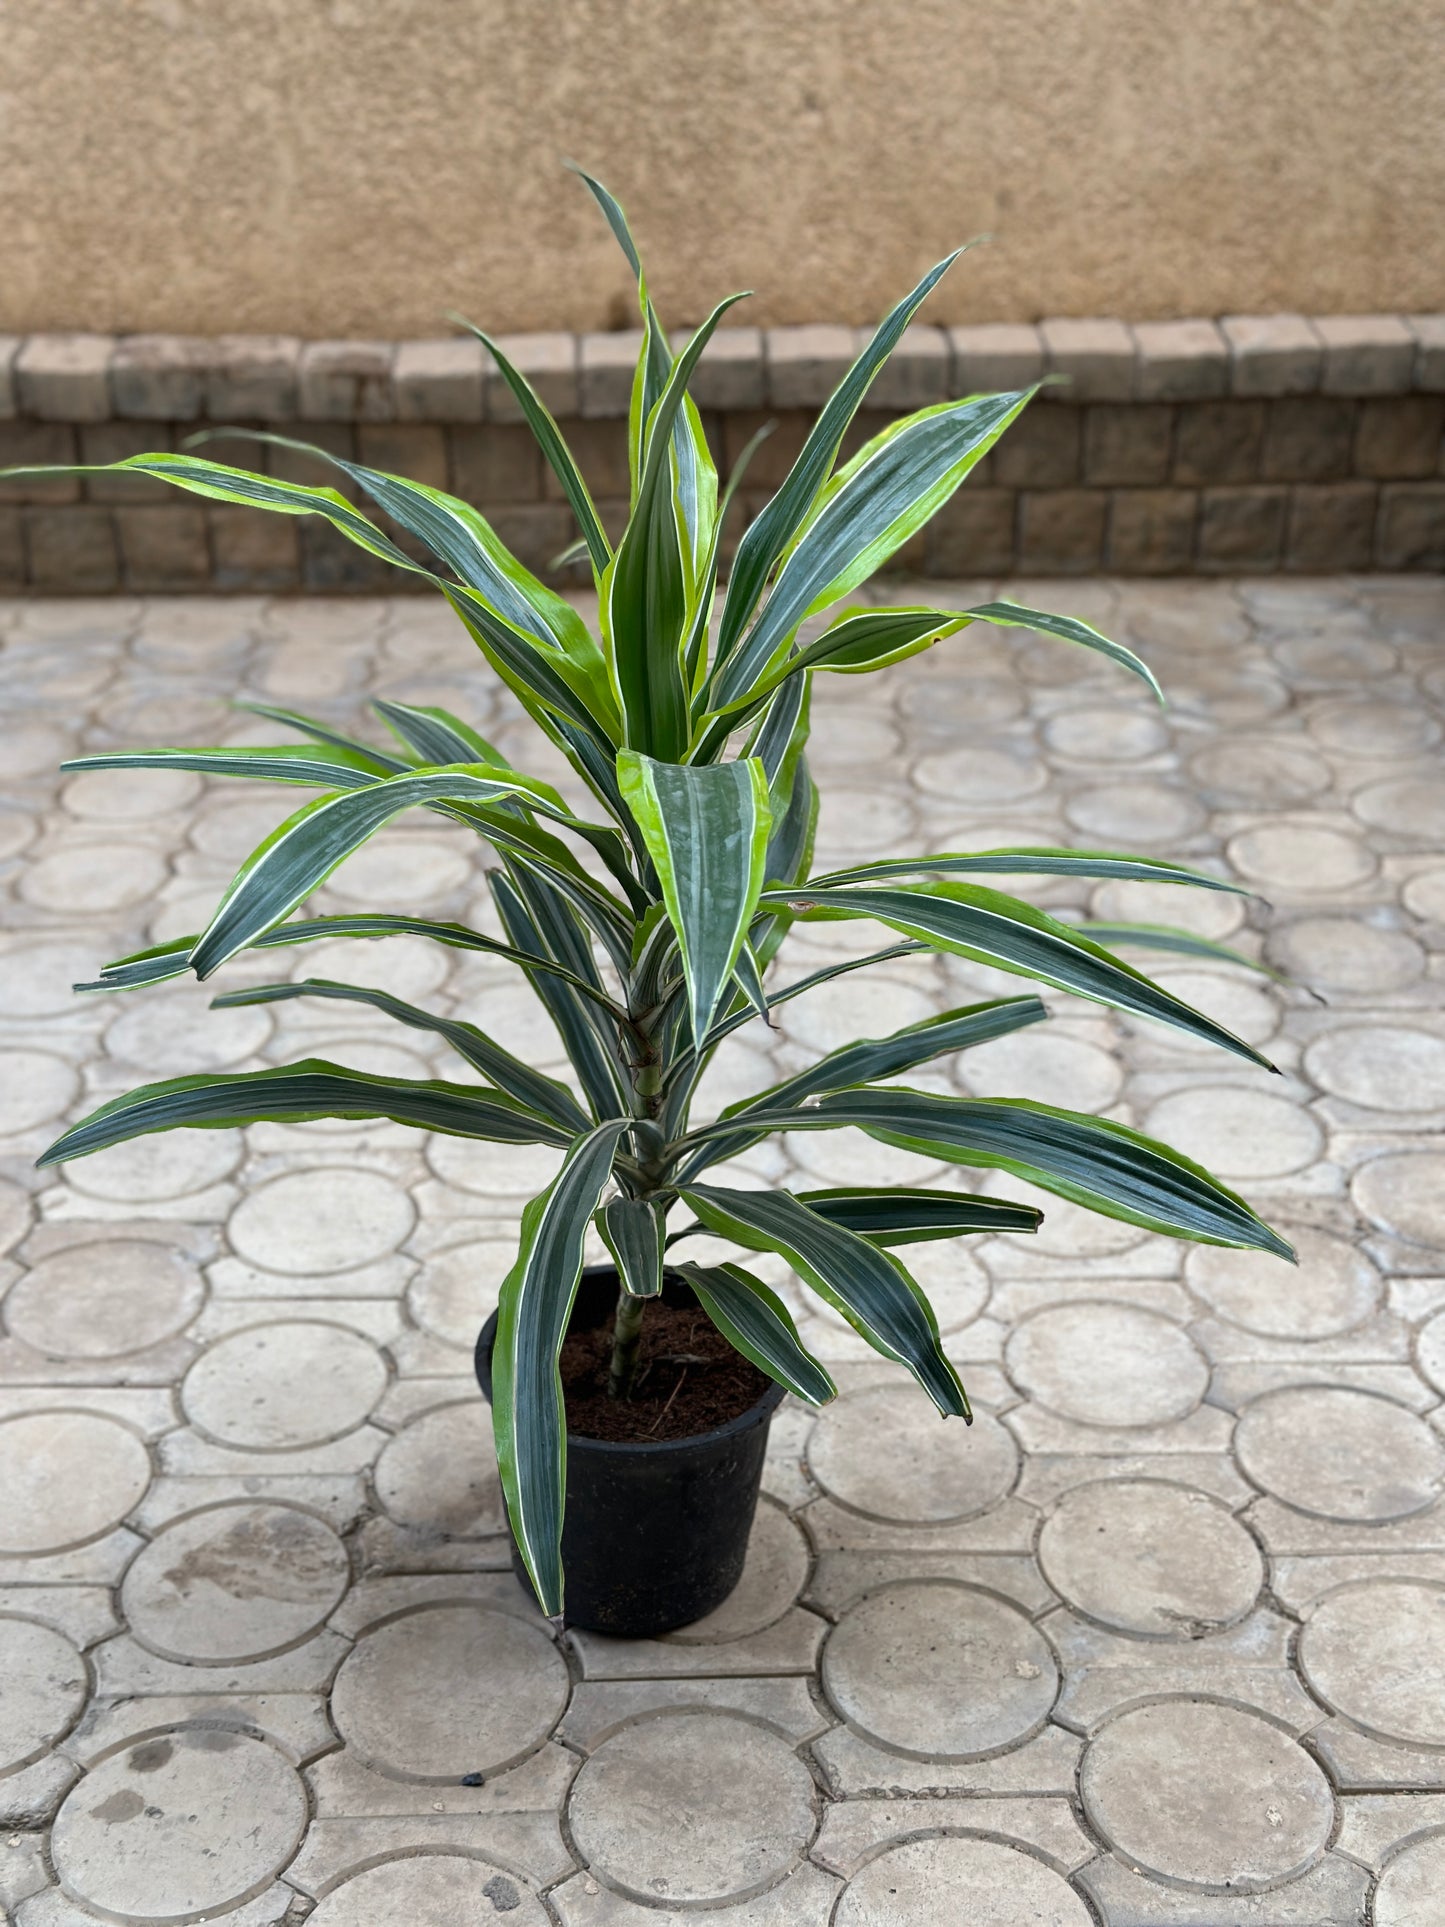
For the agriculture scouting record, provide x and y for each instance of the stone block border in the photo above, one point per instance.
(1255, 442)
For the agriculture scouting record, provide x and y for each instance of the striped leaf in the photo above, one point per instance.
(535, 1302)
(1013, 615)
(886, 493)
(436, 737)
(649, 584)
(967, 920)
(756, 1322)
(706, 831)
(1181, 943)
(1029, 862)
(1095, 1162)
(295, 1094)
(770, 532)
(173, 959)
(544, 1095)
(319, 732)
(548, 437)
(580, 1020)
(632, 1230)
(899, 1216)
(876, 1058)
(319, 768)
(871, 1289)
(302, 852)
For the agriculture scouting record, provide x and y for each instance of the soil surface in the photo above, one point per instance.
(689, 1379)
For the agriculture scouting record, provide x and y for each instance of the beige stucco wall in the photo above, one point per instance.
(358, 166)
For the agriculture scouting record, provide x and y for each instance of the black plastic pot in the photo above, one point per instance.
(654, 1534)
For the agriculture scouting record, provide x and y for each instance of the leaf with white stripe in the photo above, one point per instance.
(706, 830)
(534, 1305)
(756, 1322)
(632, 1230)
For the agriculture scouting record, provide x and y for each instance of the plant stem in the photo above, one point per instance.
(626, 1336)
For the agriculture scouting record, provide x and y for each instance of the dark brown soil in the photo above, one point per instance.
(689, 1379)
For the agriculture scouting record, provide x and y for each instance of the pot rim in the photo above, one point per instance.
(762, 1408)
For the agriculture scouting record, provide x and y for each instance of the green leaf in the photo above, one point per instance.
(548, 437)
(298, 1092)
(756, 1322)
(590, 1046)
(1013, 615)
(896, 1215)
(646, 592)
(1029, 862)
(302, 852)
(879, 500)
(968, 920)
(871, 1289)
(770, 532)
(873, 1058)
(1183, 943)
(535, 1303)
(437, 737)
(319, 732)
(173, 959)
(632, 1230)
(319, 768)
(218, 483)
(530, 1087)
(706, 830)
(1104, 1166)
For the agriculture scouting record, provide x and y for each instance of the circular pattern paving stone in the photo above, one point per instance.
(170, 1164)
(1404, 1193)
(191, 1822)
(68, 1478)
(1123, 814)
(42, 1689)
(1424, 896)
(455, 1292)
(449, 1690)
(1408, 807)
(234, 1583)
(693, 1808)
(105, 1299)
(1340, 1454)
(15, 1215)
(1430, 1351)
(1207, 1796)
(36, 978)
(886, 1453)
(1145, 1556)
(959, 1878)
(981, 775)
(322, 1221)
(1300, 857)
(281, 1387)
(1105, 1364)
(34, 1087)
(1333, 1289)
(939, 1670)
(1367, 728)
(1410, 1887)
(1066, 1071)
(1260, 772)
(439, 1473)
(1376, 1653)
(495, 1170)
(1238, 1133)
(431, 1890)
(1384, 1067)
(1107, 734)
(100, 876)
(1345, 953)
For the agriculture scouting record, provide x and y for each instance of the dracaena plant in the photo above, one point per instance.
(647, 926)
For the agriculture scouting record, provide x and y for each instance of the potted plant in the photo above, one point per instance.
(647, 926)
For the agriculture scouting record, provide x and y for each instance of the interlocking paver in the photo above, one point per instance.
(250, 1500)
